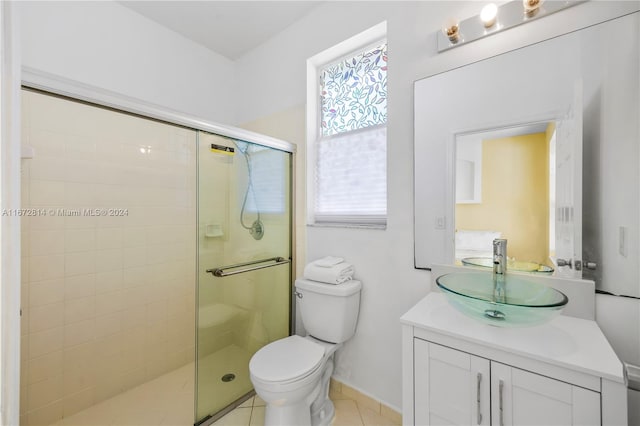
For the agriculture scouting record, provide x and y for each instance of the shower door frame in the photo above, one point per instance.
(52, 84)
(250, 266)
(61, 86)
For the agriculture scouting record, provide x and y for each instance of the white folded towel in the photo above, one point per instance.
(330, 270)
(336, 274)
(328, 261)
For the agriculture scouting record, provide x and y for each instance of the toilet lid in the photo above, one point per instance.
(286, 359)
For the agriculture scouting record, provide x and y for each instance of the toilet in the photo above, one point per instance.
(292, 374)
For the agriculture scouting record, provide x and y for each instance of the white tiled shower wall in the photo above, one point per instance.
(108, 301)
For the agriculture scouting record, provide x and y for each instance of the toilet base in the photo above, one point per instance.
(300, 414)
(289, 415)
(322, 409)
(325, 415)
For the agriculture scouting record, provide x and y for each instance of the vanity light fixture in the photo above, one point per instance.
(511, 14)
(489, 14)
(451, 30)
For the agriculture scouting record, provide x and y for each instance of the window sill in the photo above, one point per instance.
(379, 226)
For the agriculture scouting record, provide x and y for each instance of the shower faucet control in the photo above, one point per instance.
(257, 229)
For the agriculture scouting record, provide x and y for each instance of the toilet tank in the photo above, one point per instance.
(329, 312)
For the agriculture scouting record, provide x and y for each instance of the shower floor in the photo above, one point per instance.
(215, 394)
(166, 400)
(169, 399)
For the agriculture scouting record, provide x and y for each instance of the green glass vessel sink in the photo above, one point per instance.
(514, 265)
(504, 301)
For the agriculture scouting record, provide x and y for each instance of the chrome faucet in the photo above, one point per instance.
(499, 270)
(499, 256)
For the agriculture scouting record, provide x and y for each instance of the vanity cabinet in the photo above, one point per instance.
(454, 387)
(451, 387)
(457, 371)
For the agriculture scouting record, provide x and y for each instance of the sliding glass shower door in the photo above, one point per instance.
(244, 269)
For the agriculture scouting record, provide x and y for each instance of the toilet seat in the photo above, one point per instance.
(286, 360)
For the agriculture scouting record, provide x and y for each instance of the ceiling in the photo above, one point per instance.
(230, 28)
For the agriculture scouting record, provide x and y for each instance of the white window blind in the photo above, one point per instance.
(268, 175)
(351, 152)
(351, 177)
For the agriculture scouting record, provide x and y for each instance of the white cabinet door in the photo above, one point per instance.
(451, 387)
(523, 398)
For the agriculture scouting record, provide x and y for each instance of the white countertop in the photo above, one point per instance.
(567, 342)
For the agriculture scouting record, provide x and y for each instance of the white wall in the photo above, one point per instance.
(9, 225)
(104, 44)
(273, 79)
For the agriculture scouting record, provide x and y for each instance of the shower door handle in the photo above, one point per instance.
(252, 266)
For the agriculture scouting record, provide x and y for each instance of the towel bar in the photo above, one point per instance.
(221, 272)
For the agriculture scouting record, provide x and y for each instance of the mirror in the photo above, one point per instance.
(587, 83)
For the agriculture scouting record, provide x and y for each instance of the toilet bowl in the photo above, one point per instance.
(292, 374)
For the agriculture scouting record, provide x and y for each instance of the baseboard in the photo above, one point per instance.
(365, 400)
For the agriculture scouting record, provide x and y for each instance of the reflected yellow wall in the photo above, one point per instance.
(515, 195)
(551, 128)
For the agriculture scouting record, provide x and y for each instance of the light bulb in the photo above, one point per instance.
(451, 29)
(531, 6)
(489, 14)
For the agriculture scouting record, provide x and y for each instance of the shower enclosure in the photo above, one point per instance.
(156, 259)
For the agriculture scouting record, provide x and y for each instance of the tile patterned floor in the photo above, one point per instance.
(348, 413)
(168, 401)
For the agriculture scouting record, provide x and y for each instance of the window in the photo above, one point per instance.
(261, 179)
(348, 158)
(354, 92)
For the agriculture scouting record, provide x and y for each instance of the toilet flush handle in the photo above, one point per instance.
(298, 294)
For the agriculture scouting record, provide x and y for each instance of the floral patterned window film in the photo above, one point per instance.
(354, 92)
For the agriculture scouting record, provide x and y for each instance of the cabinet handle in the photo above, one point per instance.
(500, 391)
(479, 380)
